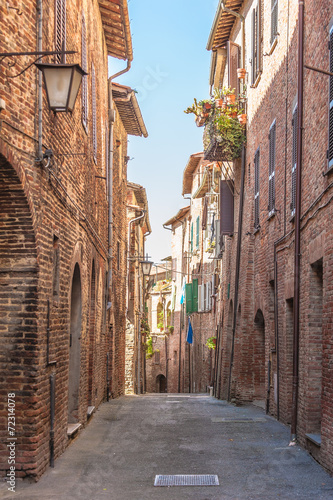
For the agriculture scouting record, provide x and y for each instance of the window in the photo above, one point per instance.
(274, 20)
(226, 207)
(60, 28)
(256, 188)
(271, 172)
(233, 65)
(157, 357)
(294, 163)
(174, 269)
(192, 237)
(256, 43)
(84, 63)
(191, 294)
(197, 233)
(94, 117)
(330, 146)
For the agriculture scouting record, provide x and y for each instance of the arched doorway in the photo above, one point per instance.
(258, 368)
(160, 383)
(74, 348)
(92, 319)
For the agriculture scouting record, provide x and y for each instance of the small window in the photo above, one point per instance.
(294, 163)
(94, 114)
(256, 188)
(84, 62)
(157, 357)
(271, 171)
(60, 28)
(274, 20)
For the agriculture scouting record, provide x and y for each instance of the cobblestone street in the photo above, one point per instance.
(132, 439)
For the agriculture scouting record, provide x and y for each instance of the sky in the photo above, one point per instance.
(170, 67)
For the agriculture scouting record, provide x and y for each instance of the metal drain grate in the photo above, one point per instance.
(187, 480)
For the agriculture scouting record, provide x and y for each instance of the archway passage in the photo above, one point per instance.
(160, 383)
(258, 367)
(74, 348)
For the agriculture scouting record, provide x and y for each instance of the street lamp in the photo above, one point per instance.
(62, 83)
(146, 266)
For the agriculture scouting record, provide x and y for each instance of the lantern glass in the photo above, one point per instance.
(146, 267)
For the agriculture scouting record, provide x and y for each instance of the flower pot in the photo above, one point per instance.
(219, 103)
(207, 105)
(241, 73)
(231, 98)
(242, 119)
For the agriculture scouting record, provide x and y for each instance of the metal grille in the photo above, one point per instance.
(84, 78)
(294, 163)
(274, 20)
(271, 187)
(60, 28)
(256, 188)
(187, 480)
(94, 117)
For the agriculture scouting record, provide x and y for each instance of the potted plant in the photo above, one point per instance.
(242, 118)
(230, 95)
(211, 343)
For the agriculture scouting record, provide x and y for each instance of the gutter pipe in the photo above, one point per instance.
(238, 257)
(128, 254)
(300, 89)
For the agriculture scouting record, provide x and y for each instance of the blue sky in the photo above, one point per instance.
(170, 67)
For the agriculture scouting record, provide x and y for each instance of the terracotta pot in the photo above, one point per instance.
(241, 73)
(242, 119)
(231, 98)
(233, 114)
(207, 105)
(219, 103)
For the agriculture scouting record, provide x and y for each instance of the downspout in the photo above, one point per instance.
(128, 255)
(300, 85)
(238, 257)
(40, 83)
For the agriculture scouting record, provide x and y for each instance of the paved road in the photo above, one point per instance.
(134, 438)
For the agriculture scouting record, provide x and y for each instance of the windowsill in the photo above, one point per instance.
(90, 411)
(328, 171)
(273, 45)
(257, 80)
(85, 126)
(314, 438)
(292, 217)
(72, 429)
(271, 214)
(256, 230)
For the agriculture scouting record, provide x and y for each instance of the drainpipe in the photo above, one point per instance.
(128, 251)
(238, 257)
(300, 85)
(40, 82)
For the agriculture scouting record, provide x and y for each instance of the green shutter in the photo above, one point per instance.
(195, 295)
(192, 237)
(198, 222)
(189, 298)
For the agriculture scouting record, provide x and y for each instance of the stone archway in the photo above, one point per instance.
(74, 347)
(161, 383)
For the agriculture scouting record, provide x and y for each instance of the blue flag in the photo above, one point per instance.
(189, 338)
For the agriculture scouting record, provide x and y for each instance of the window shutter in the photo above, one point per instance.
(253, 51)
(94, 117)
(192, 237)
(199, 298)
(84, 62)
(226, 207)
(256, 188)
(258, 38)
(205, 296)
(202, 298)
(271, 179)
(107, 158)
(330, 146)
(174, 269)
(218, 250)
(195, 295)
(233, 65)
(274, 19)
(197, 233)
(294, 163)
(189, 298)
(204, 215)
(60, 28)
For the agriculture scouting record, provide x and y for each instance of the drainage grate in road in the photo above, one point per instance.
(187, 480)
(237, 420)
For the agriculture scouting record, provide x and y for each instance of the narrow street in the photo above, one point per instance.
(132, 439)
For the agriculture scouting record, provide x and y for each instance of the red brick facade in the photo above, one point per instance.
(55, 328)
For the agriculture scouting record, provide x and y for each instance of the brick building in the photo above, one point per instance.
(275, 319)
(138, 230)
(63, 220)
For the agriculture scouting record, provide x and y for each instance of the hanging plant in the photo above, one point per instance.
(211, 343)
(149, 348)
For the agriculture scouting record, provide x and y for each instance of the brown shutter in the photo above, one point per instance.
(94, 114)
(294, 163)
(256, 188)
(84, 78)
(253, 47)
(233, 64)
(258, 38)
(271, 181)
(227, 207)
(204, 215)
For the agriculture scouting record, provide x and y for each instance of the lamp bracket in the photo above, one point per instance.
(3, 55)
